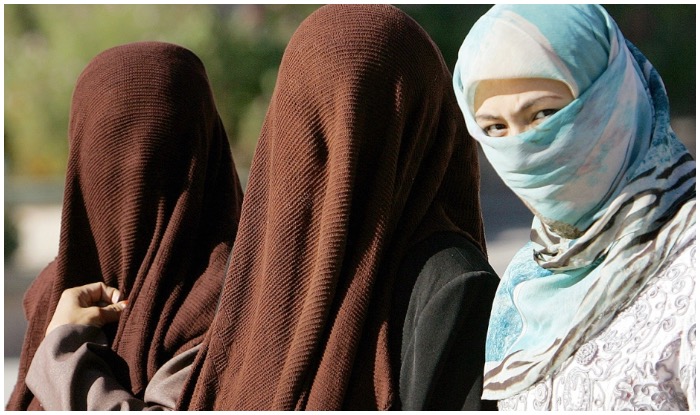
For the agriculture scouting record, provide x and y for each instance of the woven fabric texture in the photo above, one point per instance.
(151, 206)
(363, 153)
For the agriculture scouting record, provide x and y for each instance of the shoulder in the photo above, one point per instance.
(444, 257)
(444, 330)
(453, 274)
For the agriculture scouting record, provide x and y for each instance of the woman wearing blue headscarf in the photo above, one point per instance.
(597, 310)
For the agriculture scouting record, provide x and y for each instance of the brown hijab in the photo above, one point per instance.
(151, 206)
(363, 153)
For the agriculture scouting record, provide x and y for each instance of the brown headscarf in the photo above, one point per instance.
(363, 154)
(151, 206)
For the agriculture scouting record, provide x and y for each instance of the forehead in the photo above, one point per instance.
(512, 87)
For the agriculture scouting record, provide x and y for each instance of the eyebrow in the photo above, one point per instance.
(531, 102)
(486, 117)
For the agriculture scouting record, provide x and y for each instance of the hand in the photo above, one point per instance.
(93, 304)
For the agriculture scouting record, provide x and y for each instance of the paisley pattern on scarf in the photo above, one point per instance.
(611, 187)
(643, 360)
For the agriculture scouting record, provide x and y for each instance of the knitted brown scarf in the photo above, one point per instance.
(363, 153)
(151, 206)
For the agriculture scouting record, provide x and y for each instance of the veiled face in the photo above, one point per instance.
(508, 107)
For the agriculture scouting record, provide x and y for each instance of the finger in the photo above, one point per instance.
(110, 295)
(97, 292)
(111, 313)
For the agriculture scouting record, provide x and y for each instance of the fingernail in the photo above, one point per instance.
(115, 296)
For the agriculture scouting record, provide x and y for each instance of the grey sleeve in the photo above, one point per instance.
(68, 372)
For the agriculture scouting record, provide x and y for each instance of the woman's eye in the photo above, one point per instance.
(544, 114)
(496, 130)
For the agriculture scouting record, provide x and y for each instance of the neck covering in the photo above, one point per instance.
(612, 189)
(151, 206)
(363, 153)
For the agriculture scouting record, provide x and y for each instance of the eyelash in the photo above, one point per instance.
(493, 128)
(547, 112)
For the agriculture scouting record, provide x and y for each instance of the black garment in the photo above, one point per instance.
(446, 319)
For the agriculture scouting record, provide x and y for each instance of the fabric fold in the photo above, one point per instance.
(363, 153)
(611, 187)
(151, 207)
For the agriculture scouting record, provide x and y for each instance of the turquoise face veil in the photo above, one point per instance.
(571, 166)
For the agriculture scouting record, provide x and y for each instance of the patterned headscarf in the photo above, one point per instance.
(612, 188)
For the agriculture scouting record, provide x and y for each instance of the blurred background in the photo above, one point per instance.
(47, 46)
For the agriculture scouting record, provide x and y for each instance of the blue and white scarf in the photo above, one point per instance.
(611, 187)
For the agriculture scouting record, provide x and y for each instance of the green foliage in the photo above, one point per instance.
(247, 44)
(47, 46)
(11, 238)
(447, 24)
(666, 35)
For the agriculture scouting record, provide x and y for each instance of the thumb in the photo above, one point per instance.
(112, 312)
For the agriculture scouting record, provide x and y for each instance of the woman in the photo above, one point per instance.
(597, 311)
(151, 206)
(358, 279)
